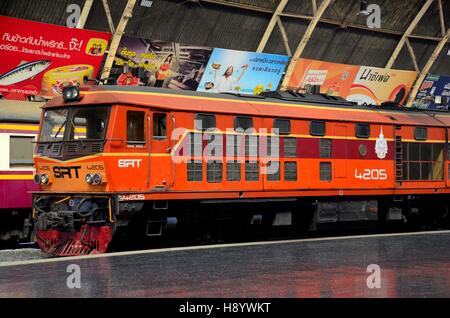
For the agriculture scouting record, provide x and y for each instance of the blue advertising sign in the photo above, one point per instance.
(242, 72)
(434, 93)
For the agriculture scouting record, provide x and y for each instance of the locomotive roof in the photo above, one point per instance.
(20, 111)
(311, 107)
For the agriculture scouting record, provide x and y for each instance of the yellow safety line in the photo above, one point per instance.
(16, 177)
(18, 127)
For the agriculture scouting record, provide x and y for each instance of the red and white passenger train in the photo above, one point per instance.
(19, 124)
(114, 160)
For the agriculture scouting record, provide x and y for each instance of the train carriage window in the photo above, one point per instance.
(325, 171)
(233, 171)
(283, 126)
(251, 146)
(290, 147)
(234, 145)
(290, 171)
(214, 171)
(243, 123)
(325, 148)
(205, 121)
(135, 127)
(448, 151)
(21, 151)
(317, 128)
(251, 171)
(423, 161)
(420, 133)
(194, 170)
(159, 126)
(273, 171)
(195, 141)
(362, 130)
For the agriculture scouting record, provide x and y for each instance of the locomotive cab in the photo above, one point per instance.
(88, 155)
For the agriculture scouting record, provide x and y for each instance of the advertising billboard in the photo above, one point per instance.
(373, 86)
(334, 79)
(434, 93)
(242, 72)
(39, 58)
(361, 84)
(158, 64)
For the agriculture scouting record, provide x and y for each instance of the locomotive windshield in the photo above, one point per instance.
(76, 123)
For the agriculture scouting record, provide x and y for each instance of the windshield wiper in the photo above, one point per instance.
(81, 139)
(59, 130)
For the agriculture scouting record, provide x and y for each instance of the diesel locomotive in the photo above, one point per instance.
(116, 161)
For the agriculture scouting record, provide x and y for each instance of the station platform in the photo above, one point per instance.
(411, 265)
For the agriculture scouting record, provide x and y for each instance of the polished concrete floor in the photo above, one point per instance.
(410, 266)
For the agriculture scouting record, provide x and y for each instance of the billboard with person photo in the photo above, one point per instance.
(158, 64)
(242, 72)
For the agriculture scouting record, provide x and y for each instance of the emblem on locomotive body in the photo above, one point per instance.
(381, 146)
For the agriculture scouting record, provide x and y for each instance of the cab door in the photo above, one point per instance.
(161, 165)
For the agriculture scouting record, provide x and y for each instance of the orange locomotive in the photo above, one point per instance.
(111, 159)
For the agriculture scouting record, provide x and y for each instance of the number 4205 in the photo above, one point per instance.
(371, 174)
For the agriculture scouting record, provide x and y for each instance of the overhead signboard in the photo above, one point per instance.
(242, 72)
(361, 84)
(334, 78)
(434, 93)
(158, 64)
(39, 58)
(373, 86)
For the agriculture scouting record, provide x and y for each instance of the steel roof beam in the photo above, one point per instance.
(441, 17)
(84, 14)
(270, 27)
(427, 67)
(305, 39)
(322, 20)
(284, 37)
(108, 16)
(126, 15)
(408, 32)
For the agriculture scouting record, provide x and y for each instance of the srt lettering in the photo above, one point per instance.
(69, 172)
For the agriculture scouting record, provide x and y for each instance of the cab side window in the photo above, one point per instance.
(135, 127)
(159, 126)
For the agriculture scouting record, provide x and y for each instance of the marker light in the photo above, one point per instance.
(45, 179)
(97, 179)
(89, 178)
(37, 178)
(71, 93)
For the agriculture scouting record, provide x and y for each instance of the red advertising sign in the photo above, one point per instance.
(39, 58)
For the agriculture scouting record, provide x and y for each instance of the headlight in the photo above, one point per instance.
(89, 178)
(97, 179)
(45, 179)
(71, 93)
(37, 178)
